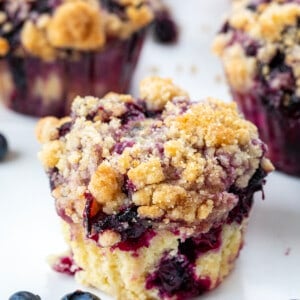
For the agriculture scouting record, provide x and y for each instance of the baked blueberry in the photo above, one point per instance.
(24, 296)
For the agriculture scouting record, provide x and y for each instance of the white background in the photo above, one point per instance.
(269, 264)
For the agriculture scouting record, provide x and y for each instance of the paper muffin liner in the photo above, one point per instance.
(280, 132)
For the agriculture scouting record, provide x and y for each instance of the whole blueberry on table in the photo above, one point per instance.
(24, 296)
(3, 146)
(165, 29)
(80, 295)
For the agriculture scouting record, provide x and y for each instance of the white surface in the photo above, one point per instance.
(29, 227)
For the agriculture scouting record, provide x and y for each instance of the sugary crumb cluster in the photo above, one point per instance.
(259, 46)
(46, 29)
(171, 159)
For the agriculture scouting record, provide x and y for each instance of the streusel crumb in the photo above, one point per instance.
(82, 25)
(77, 25)
(172, 159)
(4, 46)
(34, 41)
(158, 91)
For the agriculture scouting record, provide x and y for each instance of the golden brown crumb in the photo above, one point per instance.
(168, 196)
(3, 17)
(108, 238)
(47, 129)
(158, 91)
(148, 172)
(153, 212)
(77, 25)
(104, 184)
(139, 16)
(131, 2)
(35, 42)
(51, 153)
(4, 46)
(220, 123)
(143, 196)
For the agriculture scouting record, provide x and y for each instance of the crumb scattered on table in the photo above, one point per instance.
(154, 70)
(194, 69)
(287, 251)
(218, 79)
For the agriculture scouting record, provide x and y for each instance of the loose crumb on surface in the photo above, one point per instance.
(154, 70)
(218, 79)
(194, 69)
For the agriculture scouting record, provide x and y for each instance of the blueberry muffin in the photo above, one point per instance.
(54, 50)
(259, 48)
(154, 192)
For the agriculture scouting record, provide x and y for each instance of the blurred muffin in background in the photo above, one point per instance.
(259, 45)
(53, 50)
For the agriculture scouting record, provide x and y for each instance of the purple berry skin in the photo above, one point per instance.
(24, 296)
(80, 295)
(165, 29)
(3, 146)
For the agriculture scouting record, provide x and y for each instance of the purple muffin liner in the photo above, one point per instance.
(31, 86)
(279, 131)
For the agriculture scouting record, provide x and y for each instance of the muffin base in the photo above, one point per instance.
(278, 131)
(29, 85)
(131, 275)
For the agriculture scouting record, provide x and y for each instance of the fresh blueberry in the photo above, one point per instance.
(24, 296)
(165, 28)
(80, 295)
(3, 146)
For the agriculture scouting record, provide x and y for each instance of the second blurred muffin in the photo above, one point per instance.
(51, 51)
(259, 47)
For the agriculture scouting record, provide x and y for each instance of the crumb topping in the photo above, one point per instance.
(252, 36)
(158, 91)
(4, 46)
(49, 30)
(35, 42)
(174, 165)
(76, 25)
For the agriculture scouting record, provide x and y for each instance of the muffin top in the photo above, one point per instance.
(259, 45)
(51, 28)
(173, 160)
